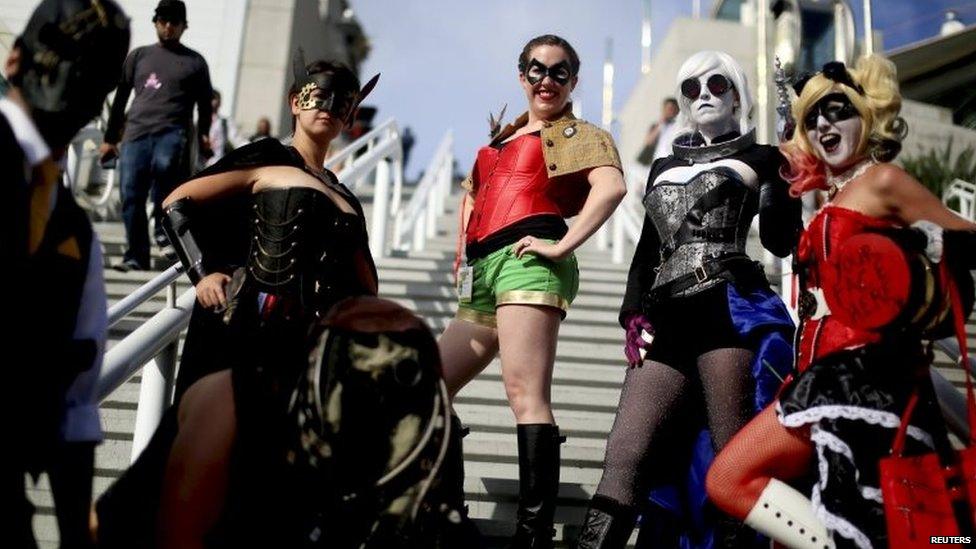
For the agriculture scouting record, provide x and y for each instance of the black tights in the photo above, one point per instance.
(653, 397)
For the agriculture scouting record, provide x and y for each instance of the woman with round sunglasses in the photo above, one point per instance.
(707, 341)
(855, 371)
(521, 274)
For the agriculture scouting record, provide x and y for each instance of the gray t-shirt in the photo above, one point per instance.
(167, 81)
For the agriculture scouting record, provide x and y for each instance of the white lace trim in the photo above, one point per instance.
(831, 441)
(856, 413)
(838, 525)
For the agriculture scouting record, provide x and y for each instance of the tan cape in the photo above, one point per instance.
(569, 145)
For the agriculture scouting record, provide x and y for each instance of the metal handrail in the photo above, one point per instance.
(626, 227)
(428, 200)
(143, 293)
(126, 357)
(965, 193)
(386, 128)
(384, 157)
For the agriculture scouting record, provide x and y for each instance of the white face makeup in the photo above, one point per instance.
(835, 142)
(711, 109)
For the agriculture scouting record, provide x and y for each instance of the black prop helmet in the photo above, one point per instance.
(72, 53)
(372, 415)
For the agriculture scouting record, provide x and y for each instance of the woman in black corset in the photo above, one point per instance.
(271, 241)
(302, 246)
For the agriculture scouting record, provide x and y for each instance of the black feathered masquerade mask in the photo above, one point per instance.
(335, 92)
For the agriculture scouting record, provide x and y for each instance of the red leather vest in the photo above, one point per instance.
(512, 184)
(831, 226)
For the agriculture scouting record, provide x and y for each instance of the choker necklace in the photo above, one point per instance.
(837, 182)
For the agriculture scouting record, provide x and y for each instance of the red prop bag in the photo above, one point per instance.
(919, 492)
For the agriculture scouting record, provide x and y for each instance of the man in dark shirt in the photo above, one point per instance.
(168, 79)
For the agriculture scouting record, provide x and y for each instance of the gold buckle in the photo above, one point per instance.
(700, 274)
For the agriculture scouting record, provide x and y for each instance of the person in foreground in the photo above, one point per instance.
(354, 461)
(61, 67)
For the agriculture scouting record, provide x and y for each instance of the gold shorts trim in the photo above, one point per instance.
(532, 297)
(476, 317)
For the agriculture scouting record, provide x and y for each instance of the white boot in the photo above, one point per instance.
(787, 516)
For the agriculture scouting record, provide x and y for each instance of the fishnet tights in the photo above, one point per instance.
(764, 449)
(653, 397)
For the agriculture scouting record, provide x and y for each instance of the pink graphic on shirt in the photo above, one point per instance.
(153, 82)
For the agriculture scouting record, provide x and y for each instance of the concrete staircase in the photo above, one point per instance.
(588, 373)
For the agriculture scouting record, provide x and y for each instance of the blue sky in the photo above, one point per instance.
(446, 63)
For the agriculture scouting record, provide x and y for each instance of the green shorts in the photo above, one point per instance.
(500, 278)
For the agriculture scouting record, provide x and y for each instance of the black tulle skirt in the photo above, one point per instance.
(852, 402)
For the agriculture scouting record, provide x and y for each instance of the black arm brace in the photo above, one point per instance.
(780, 219)
(177, 224)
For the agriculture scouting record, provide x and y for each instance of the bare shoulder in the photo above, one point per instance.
(275, 177)
(887, 180)
(267, 177)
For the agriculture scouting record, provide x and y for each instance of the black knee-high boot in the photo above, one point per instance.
(607, 525)
(452, 472)
(448, 526)
(538, 448)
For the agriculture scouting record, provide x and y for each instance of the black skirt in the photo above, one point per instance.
(852, 402)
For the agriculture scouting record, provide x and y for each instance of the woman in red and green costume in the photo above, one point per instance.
(521, 275)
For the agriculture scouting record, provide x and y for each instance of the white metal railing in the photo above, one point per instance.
(419, 219)
(965, 193)
(89, 183)
(384, 157)
(626, 226)
(155, 340)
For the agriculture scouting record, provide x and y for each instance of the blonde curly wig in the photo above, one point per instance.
(882, 130)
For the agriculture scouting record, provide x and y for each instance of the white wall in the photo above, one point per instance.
(930, 127)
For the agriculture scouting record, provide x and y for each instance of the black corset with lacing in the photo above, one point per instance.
(303, 248)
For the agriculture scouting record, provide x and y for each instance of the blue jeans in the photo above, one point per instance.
(149, 163)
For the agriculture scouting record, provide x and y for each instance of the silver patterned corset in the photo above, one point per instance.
(702, 219)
